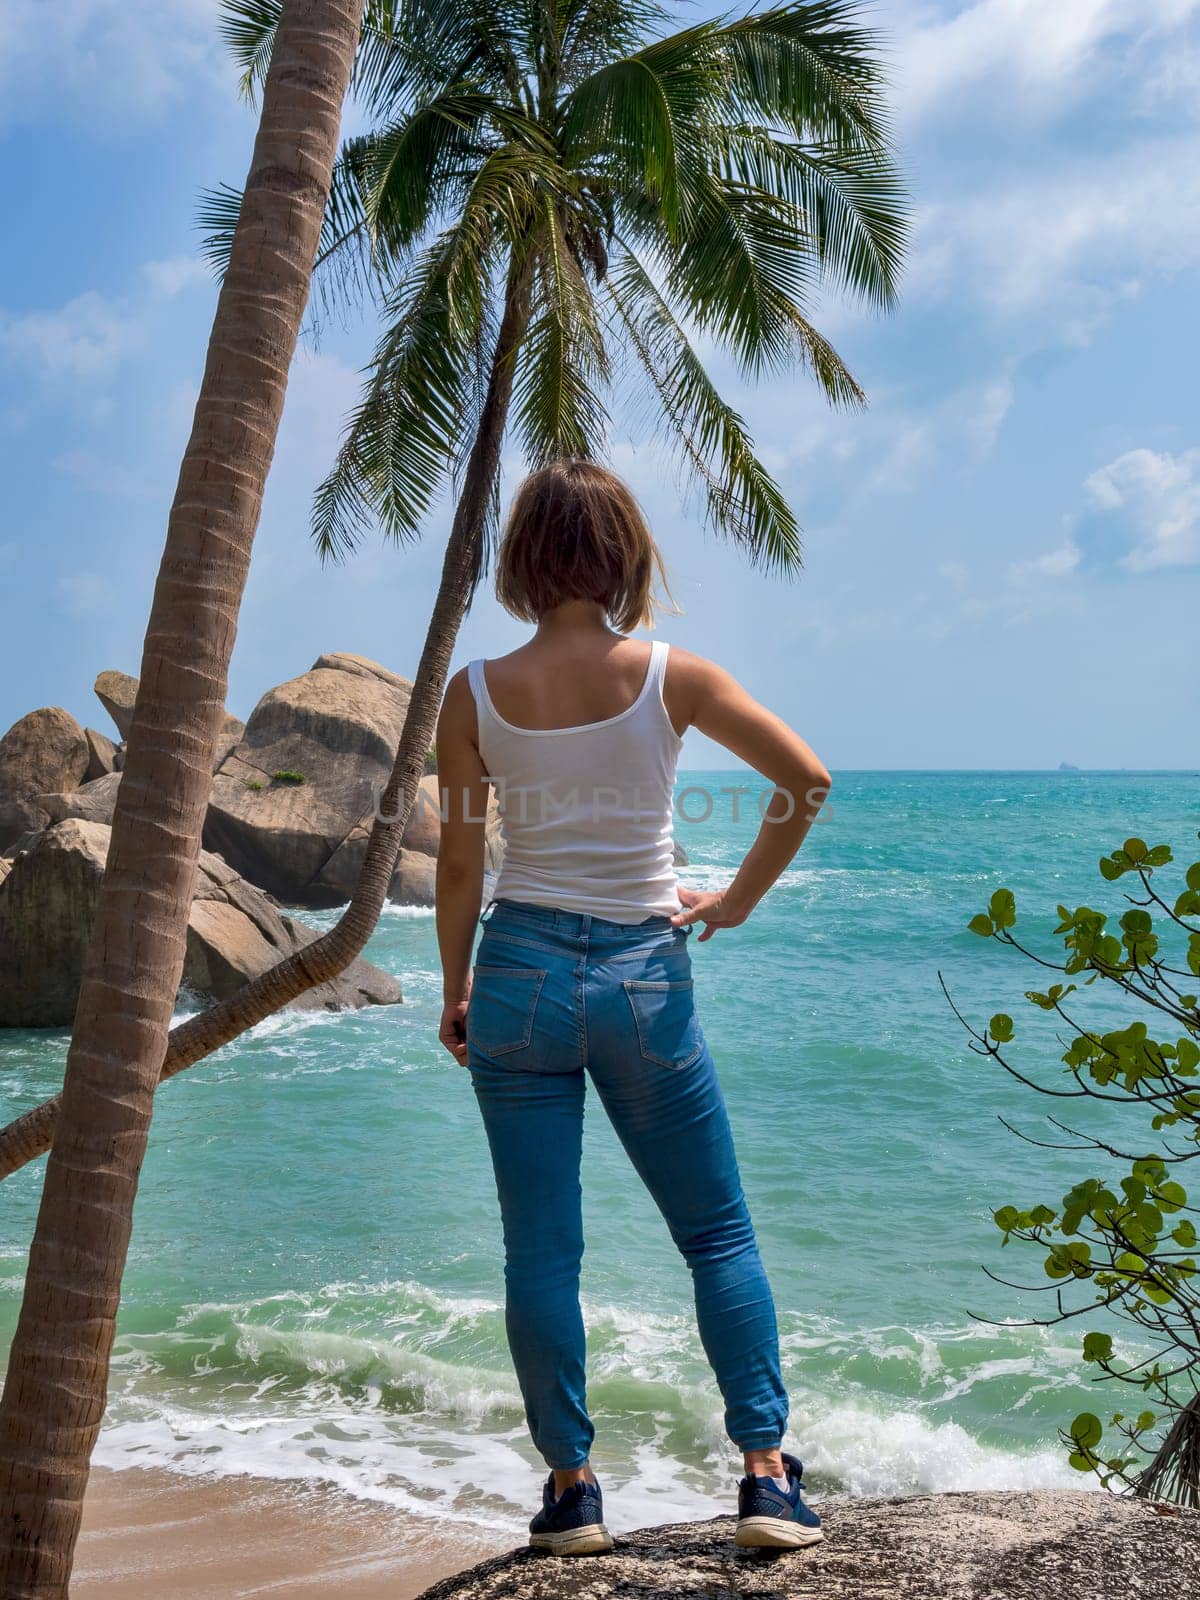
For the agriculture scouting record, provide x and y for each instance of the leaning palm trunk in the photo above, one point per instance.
(31, 1134)
(57, 1380)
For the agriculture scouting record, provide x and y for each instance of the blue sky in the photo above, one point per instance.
(1002, 554)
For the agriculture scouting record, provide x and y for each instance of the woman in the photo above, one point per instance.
(583, 967)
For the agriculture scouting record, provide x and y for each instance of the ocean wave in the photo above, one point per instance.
(708, 877)
(431, 1464)
(860, 1450)
(330, 916)
(382, 1387)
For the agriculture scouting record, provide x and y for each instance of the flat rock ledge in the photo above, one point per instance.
(1052, 1545)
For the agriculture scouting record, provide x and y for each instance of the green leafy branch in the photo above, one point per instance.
(1123, 1242)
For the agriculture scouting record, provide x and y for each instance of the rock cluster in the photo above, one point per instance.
(293, 800)
(235, 932)
(46, 750)
(1053, 1545)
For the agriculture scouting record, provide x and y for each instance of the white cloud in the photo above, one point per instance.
(907, 441)
(129, 60)
(85, 338)
(1069, 241)
(984, 414)
(1027, 56)
(171, 277)
(1034, 224)
(1059, 563)
(1159, 496)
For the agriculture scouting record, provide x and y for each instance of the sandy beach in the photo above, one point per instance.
(147, 1534)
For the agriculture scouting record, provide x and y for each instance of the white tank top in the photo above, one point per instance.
(586, 811)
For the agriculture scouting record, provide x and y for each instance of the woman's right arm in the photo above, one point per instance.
(715, 703)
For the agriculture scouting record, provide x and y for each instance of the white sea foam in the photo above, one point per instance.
(332, 915)
(710, 876)
(416, 1406)
(421, 1472)
(866, 1452)
(465, 1394)
(403, 1462)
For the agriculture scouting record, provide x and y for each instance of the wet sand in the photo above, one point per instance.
(150, 1534)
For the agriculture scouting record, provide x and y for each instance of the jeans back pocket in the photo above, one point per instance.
(664, 1012)
(501, 1009)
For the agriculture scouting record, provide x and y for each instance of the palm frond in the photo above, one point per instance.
(348, 266)
(563, 361)
(808, 66)
(407, 427)
(742, 269)
(506, 197)
(640, 120)
(743, 501)
(745, 159)
(405, 168)
(850, 196)
(596, 31)
(217, 216)
(833, 376)
(348, 269)
(412, 50)
(248, 29)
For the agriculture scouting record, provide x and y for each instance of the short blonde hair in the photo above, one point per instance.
(575, 532)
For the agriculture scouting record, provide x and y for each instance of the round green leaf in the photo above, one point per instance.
(1097, 1347)
(1087, 1430)
(1003, 908)
(1172, 1195)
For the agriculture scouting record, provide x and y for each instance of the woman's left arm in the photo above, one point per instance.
(463, 789)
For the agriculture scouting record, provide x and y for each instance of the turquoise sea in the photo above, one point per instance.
(315, 1281)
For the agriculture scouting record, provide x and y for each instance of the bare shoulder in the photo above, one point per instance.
(458, 705)
(458, 687)
(696, 677)
(693, 684)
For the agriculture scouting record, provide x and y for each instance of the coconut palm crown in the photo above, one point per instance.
(630, 198)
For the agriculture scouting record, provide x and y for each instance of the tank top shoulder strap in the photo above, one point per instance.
(656, 676)
(657, 671)
(658, 662)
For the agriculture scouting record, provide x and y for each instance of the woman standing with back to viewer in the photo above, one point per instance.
(583, 966)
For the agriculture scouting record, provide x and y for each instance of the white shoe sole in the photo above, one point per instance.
(772, 1533)
(590, 1541)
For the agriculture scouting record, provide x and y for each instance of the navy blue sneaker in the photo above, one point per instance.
(572, 1525)
(768, 1519)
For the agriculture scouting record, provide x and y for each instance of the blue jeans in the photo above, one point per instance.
(557, 994)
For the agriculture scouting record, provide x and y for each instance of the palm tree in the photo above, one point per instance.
(556, 199)
(56, 1384)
